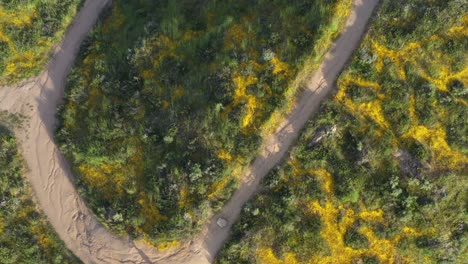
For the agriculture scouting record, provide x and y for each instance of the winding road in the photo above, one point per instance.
(52, 180)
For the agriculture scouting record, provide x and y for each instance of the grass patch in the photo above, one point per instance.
(28, 31)
(25, 235)
(386, 183)
(169, 99)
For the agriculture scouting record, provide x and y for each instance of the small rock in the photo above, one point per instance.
(409, 165)
(317, 138)
(221, 222)
(320, 135)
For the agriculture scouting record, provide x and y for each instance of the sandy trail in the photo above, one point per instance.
(52, 180)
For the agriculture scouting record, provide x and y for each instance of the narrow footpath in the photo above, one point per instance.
(52, 180)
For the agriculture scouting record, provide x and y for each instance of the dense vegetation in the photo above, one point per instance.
(379, 176)
(168, 99)
(28, 30)
(25, 236)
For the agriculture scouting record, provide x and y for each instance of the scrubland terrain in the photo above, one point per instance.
(168, 102)
(53, 182)
(379, 175)
(172, 105)
(28, 30)
(25, 235)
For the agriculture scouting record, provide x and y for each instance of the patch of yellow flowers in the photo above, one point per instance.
(336, 219)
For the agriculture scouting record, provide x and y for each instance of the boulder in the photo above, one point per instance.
(221, 222)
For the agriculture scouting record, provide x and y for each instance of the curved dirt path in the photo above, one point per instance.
(52, 180)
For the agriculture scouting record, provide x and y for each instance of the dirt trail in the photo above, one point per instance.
(52, 180)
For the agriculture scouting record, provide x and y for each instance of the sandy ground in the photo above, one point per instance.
(52, 180)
